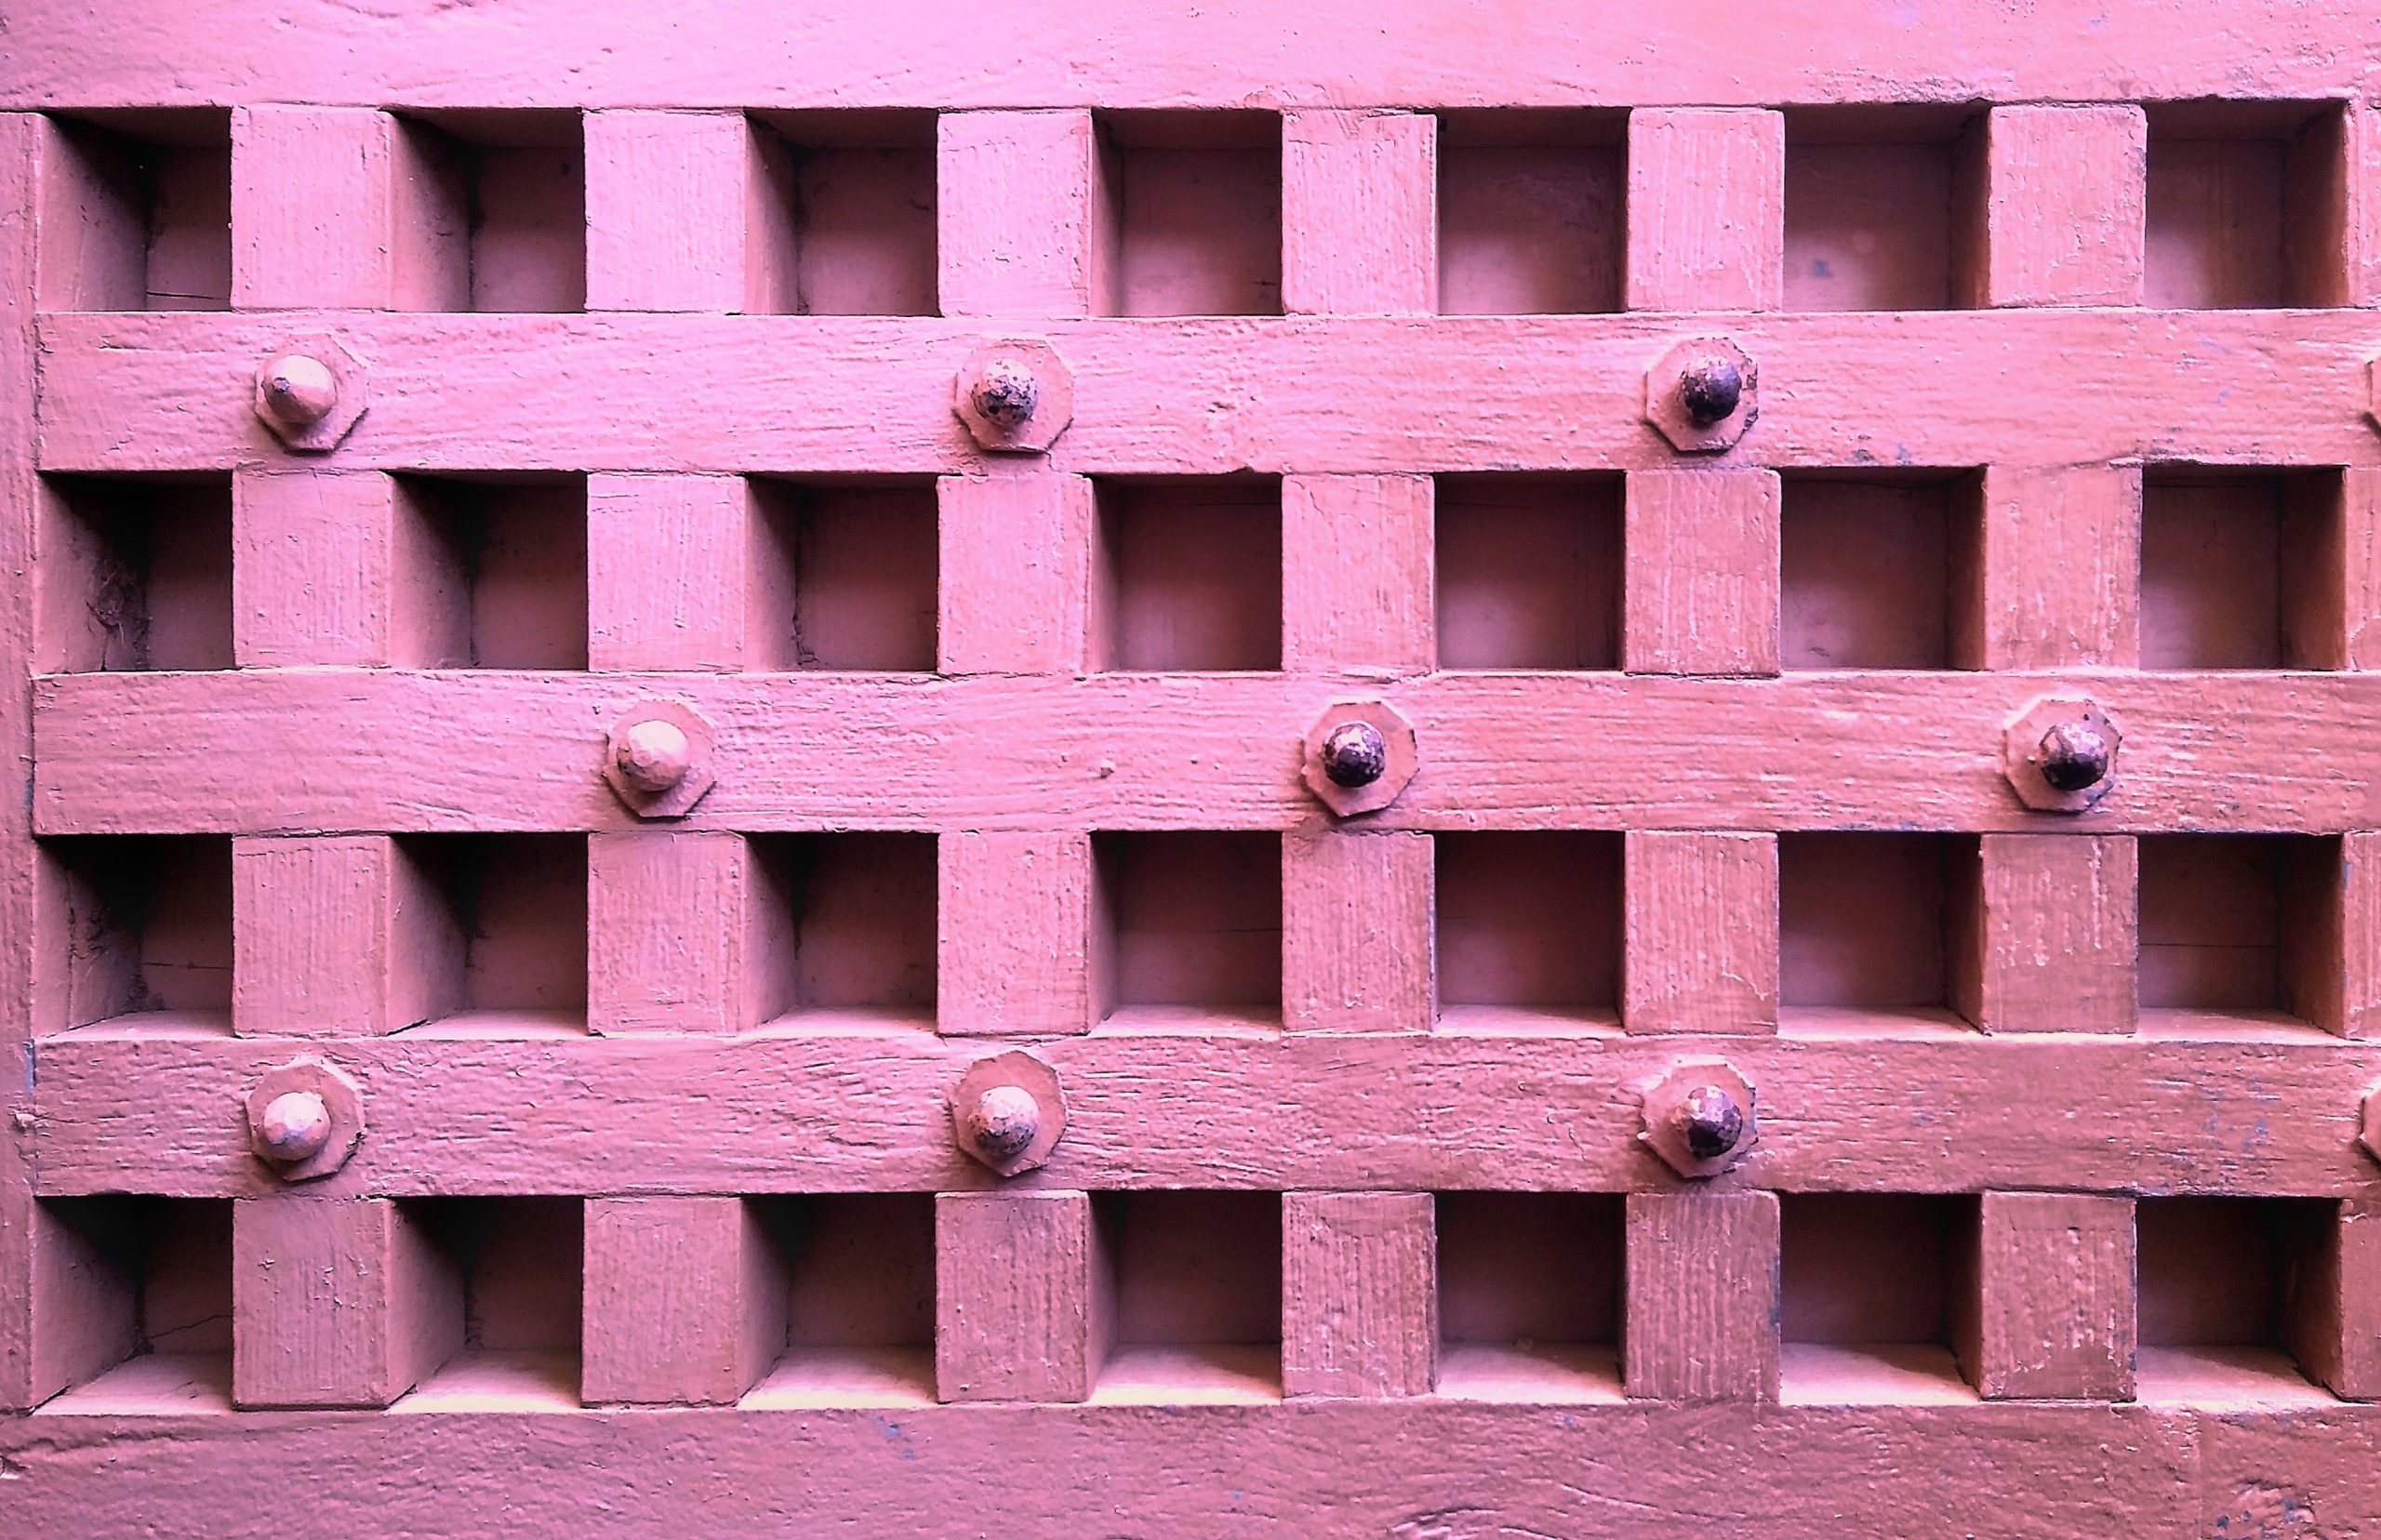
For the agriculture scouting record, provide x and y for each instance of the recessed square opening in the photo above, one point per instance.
(1194, 205)
(1187, 574)
(2239, 926)
(138, 212)
(844, 223)
(1529, 925)
(1531, 206)
(147, 1327)
(1188, 924)
(2239, 569)
(848, 930)
(2227, 1296)
(859, 1309)
(1529, 1295)
(843, 575)
(1869, 926)
(497, 569)
(1529, 571)
(2247, 204)
(144, 921)
(495, 213)
(504, 1296)
(1880, 570)
(493, 942)
(1885, 207)
(1196, 1314)
(1876, 1290)
(135, 574)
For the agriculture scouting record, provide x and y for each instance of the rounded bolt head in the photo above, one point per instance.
(1006, 393)
(299, 390)
(294, 1126)
(1711, 1122)
(1004, 1121)
(1710, 389)
(1355, 754)
(654, 756)
(2075, 755)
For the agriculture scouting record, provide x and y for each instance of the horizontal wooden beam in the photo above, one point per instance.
(1929, 1110)
(819, 393)
(302, 752)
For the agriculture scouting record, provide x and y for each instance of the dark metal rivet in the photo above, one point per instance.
(1710, 389)
(1355, 754)
(1711, 1122)
(1003, 1120)
(2075, 755)
(1006, 393)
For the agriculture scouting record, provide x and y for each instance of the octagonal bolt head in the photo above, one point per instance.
(1015, 395)
(304, 1119)
(1701, 1119)
(1006, 1113)
(658, 759)
(2369, 1129)
(311, 392)
(2060, 755)
(1702, 394)
(1359, 756)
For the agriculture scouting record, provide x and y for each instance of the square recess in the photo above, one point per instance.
(1188, 926)
(2227, 1298)
(1187, 575)
(1885, 207)
(499, 572)
(136, 574)
(496, 215)
(843, 575)
(2240, 927)
(511, 1272)
(848, 930)
(1529, 927)
(1876, 1286)
(147, 1326)
(1195, 208)
(1196, 1312)
(859, 1272)
(1531, 211)
(2240, 568)
(495, 945)
(141, 200)
(1529, 1295)
(1869, 927)
(2247, 204)
(846, 217)
(1880, 569)
(1528, 571)
(144, 930)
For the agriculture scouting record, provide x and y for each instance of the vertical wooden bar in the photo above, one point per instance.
(333, 935)
(1702, 1297)
(2361, 218)
(315, 207)
(1022, 1307)
(684, 1301)
(2331, 1317)
(1024, 222)
(2359, 932)
(324, 568)
(2065, 198)
(336, 1301)
(2058, 581)
(1016, 573)
(1358, 589)
(2053, 1312)
(1357, 938)
(673, 918)
(2051, 935)
(1701, 577)
(1707, 209)
(674, 565)
(1016, 933)
(1359, 1294)
(2359, 579)
(1699, 936)
(1360, 227)
(668, 198)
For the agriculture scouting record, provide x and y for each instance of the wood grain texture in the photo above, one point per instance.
(1360, 228)
(668, 194)
(1359, 1294)
(1014, 566)
(1702, 1296)
(315, 207)
(333, 937)
(2054, 1298)
(2333, 1313)
(683, 1301)
(1024, 228)
(329, 568)
(1706, 211)
(2064, 205)
(1701, 591)
(1700, 945)
(2051, 935)
(1358, 589)
(2360, 912)
(2058, 578)
(676, 935)
(1022, 1307)
(1016, 944)
(1357, 932)
(677, 574)
(2357, 644)
(336, 1301)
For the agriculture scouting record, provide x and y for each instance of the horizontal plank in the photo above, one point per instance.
(759, 54)
(285, 751)
(810, 393)
(1933, 1110)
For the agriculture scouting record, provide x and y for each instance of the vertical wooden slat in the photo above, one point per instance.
(315, 207)
(1022, 1308)
(1699, 936)
(2332, 1318)
(1025, 226)
(671, 921)
(2064, 205)
(336, 1301)
(2059, 573)
(2358, 643)
(1015, 938)
(2359, 933)
(675, 565)
(1359, 213)
(1357, 585)
(1356, 931)
(1700, 585)
(2054, 934)
(684, 1301)
(1015, 562)
(2052, 1313)
(333, 935)
(325, 569)
(1707, 209)
(1360, 1310)
(668, 199)
(1702, 1297)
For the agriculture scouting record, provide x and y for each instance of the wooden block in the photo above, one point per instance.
(677, 573)
(1356, 931)
(1023, 214)
(314, 211)
(2052, 1312)
(668, 197)
(337, 1301)
(1702, 1296)
(2332, 1315)
(1015, 938)
(1016, 573)
(2361, 226)
(2048, 943)
(684, 1301)
(671, 917)
(1360, 1293)
(333, 568)
(82, 1307)
(1021, 1296)
(2059, 579)
(2359, 932)
(2064, 206)
(2359, 582)
(1360, 225)
(1700, 938)
(1357, 587)
(333, 937)
(1701, 579)
(1707, 209)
